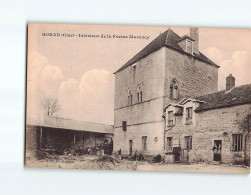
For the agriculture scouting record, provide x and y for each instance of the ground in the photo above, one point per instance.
(92, 162)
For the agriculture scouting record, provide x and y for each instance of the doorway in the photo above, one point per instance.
(130, 147)
(217, 150)
(176, 152)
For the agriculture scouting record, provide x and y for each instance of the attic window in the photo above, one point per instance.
(189, 46)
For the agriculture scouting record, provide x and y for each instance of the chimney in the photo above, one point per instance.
(230, 82)
(194, 34)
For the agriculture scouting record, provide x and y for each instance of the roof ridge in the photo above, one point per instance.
(221, 91)
(166, 39)
(167, 35)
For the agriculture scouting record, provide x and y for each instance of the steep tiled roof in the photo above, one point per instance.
(69, 124)
(236, 96)
(167, 39)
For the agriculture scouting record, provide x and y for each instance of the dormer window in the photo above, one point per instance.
(186, 43)
(189, 46)
(189, 115)
(170, 121)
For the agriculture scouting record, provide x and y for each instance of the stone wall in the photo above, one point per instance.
(218, 124)
(194, 77)
(32, 137)
(155, 73)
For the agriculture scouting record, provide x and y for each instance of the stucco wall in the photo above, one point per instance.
(150, 74)
(153, 131)
(143, 118)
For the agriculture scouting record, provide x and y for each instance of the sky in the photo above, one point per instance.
(78, 71)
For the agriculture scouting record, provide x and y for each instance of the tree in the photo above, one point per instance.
(245, 126)
(50, 106)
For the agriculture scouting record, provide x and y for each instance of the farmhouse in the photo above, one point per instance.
(170, 75)
(53, 133)
(212, 127)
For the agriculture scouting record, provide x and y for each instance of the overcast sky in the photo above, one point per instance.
(78, 71)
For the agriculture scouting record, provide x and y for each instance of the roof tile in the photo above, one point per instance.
(236, 96)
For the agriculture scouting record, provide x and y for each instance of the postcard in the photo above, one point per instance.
(138, 98)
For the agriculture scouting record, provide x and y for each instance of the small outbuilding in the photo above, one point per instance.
(61, 134)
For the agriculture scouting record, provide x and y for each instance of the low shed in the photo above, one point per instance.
(61, 134)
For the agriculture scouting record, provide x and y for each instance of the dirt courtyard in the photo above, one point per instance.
(92, 162)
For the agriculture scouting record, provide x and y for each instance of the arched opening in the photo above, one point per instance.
(171, 91)
(174, 90)
(139, 94)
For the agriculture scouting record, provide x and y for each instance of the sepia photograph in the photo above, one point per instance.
(138, 98)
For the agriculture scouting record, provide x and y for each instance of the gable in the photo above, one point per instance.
(167, 39)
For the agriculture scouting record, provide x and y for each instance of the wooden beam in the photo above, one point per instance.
(41, 138)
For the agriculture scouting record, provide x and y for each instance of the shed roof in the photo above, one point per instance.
(167, 39)
(70, 124)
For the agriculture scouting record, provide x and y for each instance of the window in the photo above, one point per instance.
(188, 142)
(189, 115)
(169, 146)
(237, 142)
(129, 97)
(175, 92)
(144, 143)
(189, 46)
(170, 121)
(124, 125)
(171, 91)
(139, 94)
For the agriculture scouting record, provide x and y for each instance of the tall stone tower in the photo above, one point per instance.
(165, 71)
